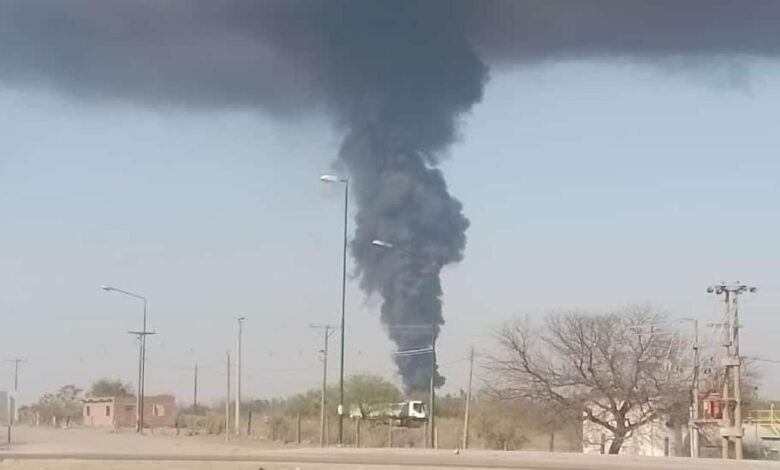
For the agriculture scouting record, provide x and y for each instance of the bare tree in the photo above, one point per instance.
(106, 387)
(616, 370)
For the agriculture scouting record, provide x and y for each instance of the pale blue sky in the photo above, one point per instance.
(588, 185)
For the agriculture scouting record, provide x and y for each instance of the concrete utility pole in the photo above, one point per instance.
(327, 330)
(468, 402)
(195, 391)
(432, 399)
(694, 421)
(227, 400)
(14, 414)
(139, 401)
(731, 431)
(238, 377)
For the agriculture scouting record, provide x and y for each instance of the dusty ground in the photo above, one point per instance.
(86, 449)
(114, 465)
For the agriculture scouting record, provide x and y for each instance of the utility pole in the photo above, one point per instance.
(694, 416)
(14, 415)
(327, 330)
(238, 378)
(731, 431)
(195, 391)
(227, 400)
(432, 399)
(343, 311)
(468, 402)
(695, 409)
(139, 401)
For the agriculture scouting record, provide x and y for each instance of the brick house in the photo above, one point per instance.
(119, 412)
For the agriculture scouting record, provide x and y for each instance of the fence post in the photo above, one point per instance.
(249, 425)
(298, 430)
(603, 443)
(552, 441)
(666, 446)
(357, 432)
(390, 432)
(436, 437)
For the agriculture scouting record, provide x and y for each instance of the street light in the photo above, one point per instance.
(337, 179)
(385, 245)
(382, 244)
(139, 412)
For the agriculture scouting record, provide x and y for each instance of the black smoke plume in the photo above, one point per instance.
(396, 74)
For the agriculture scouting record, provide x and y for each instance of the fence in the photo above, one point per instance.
(305, 430)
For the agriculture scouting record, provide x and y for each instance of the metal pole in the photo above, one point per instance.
(695, 404)
(227, 400)
(468, 402)
(138, 400)
(142, 392)
(238, 378)
(432, 399)
(343, 311)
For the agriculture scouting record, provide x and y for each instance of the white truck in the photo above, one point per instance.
(405, 414)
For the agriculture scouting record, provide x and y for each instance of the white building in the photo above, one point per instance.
(657, 438)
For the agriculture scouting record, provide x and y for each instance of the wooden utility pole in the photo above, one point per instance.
(327, 330)
(227, 400)
(468, 402)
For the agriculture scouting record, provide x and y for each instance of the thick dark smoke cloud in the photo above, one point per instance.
(397, 75)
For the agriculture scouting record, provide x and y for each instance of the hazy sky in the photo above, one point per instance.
(589, 185)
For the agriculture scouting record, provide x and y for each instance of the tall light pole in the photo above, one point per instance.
(432, 398)
(238, 377)
(731, 426)
(139, 412)
(345, 181)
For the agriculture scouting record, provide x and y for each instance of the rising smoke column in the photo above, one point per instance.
(402, 90)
